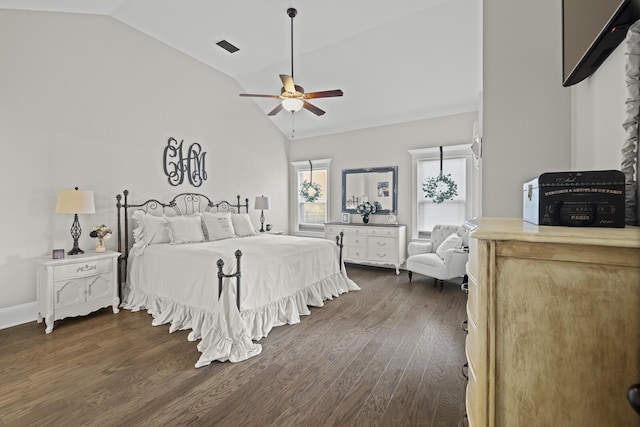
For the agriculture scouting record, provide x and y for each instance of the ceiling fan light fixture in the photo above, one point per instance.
(292, 104)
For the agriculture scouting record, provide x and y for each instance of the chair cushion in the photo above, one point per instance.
(429, 265)
(453, 241)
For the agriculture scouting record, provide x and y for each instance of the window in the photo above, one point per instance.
(426, 164)
(310, 216)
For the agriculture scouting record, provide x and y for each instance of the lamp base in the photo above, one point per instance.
(76, 231)
(262, 221)
(75, 251)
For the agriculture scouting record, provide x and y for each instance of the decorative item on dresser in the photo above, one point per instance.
(75, 202)
(372, 244)
(553, 324)
(76, 286)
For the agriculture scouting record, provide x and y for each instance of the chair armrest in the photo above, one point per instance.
(416, 248)
(456, 259)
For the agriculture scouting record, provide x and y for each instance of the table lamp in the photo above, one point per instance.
(262, 203)
(75, 202)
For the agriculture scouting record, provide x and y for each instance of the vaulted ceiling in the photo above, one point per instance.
(395, 61)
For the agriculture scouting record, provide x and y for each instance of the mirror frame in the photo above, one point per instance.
(394, 197)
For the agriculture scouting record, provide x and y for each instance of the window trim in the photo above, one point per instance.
(433, 153)
(301, 166)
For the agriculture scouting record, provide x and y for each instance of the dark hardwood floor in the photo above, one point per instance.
(388, 355)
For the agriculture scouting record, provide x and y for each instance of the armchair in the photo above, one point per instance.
(444, 257)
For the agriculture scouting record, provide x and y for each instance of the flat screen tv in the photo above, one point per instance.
(591, 30)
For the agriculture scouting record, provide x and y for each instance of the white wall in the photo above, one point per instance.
(87, 101)
(380, 147)
(526, 111)
(598, 112)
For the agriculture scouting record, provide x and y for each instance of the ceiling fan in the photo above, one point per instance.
(293, 96)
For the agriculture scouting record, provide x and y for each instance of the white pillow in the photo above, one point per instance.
(242, 225)
(151, 230)
(453, 241)
(218, 225)
(185, 229)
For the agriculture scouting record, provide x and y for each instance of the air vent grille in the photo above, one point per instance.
(227, 46)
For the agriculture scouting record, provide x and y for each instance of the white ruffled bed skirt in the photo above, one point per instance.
(227, 335)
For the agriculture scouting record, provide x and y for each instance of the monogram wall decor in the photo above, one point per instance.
(177, 166)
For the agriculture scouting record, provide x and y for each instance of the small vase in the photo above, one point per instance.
(365, 219)
(100, 246)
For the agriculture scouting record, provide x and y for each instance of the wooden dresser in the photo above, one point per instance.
(554, 324)
(372, 244)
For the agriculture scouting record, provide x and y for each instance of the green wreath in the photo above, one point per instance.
(304, 191)
(440, 188)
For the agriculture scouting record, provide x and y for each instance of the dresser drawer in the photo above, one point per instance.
(382, 254)
(360, 231)
(381, 231)
(472, 298)
(472, 265)
(355, 241)
(356, 253)
(381, 242)
(333, 230)
(471, 343)
(82, 269)
(472, 407)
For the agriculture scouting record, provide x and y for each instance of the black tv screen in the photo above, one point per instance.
(591, 30)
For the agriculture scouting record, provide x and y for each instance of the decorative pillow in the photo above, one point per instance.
(453, 241)
(242, 225)
(218, 225)
(151, 230)
(185, 229)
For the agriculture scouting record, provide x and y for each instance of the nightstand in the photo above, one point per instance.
(76, 285)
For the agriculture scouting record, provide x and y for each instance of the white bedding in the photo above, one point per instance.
(281, 276)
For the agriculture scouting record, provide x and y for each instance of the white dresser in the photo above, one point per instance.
(371, 244)
(553, 325)
(76, 285)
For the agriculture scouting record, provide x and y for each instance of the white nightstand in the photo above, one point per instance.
(76, 285)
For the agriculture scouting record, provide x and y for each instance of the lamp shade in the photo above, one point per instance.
(292, 104)
(75, 202)
(262, 202)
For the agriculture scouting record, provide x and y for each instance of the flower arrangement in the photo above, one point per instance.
(101, 232)
(306, 194)
(440, 188)
(367, 208)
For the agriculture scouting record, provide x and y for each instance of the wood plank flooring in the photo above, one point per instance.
(388, 355)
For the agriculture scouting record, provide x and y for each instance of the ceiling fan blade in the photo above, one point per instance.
(275, 110)
(324, 94)
(315, 110)
(259, 96)
(287, 82)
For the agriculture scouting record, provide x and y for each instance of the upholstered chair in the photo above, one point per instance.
(443, 257)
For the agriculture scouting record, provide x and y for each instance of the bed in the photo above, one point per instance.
(201, 266)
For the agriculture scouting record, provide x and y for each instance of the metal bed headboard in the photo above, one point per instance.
(180, 205)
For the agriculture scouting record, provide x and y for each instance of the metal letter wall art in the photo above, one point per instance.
(176, 165)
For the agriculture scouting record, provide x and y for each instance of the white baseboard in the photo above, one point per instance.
(18, 314)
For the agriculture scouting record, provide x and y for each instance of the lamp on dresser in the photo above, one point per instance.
(75, 202)
(262, 203)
